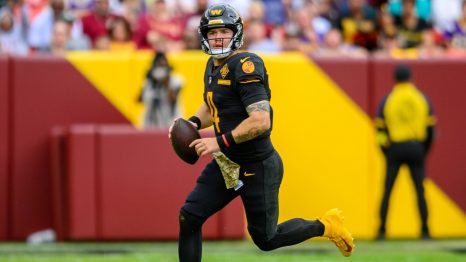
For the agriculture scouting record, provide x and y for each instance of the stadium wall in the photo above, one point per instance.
(4, 146)
(322, 129)
(45, 92)
(126, 184)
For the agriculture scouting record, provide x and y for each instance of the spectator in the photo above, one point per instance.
(274, 12)
(39, 24)
(405, 131)
(292, 41)
(190, 35)
(409, 26)
(11, 40)
(445, 12)
(160, 93)
(334, 47)
(428, 47)
(387, 25)
(131, 10)
(359, 25)
(456, 35)
(307, 36)
(80, 8)
(95, 23)
(258, 40)
(320, 23)
(20, 24)
(60, 38)
(102, 43)
(61, 14)
(120, 35)
(390, 47)
(421, 7)
(329, 10)
(256, 11)
(159, 25)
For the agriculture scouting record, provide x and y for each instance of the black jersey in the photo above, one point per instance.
(228, 89)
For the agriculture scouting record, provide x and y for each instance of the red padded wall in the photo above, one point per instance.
(48, 91)
(81, 184)
(444, 81)
(143, 184)
(351, 76)
(4, 146)
(57, 162)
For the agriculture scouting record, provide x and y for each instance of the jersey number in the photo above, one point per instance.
(213, 110)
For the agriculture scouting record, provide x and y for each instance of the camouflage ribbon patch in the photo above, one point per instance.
(230, 170)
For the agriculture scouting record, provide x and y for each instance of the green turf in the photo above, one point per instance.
(244, 251)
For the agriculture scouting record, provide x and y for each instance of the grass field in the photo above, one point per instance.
(245, 251)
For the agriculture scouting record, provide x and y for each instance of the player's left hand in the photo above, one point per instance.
(205, 146)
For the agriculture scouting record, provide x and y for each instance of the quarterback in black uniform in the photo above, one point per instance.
(236, 103)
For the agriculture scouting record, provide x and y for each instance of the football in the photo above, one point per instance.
(183, 133)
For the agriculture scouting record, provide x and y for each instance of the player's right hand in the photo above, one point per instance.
(171, 126)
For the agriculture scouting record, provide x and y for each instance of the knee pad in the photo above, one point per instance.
(189, 222)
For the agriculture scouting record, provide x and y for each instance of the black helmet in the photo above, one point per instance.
(221, 15)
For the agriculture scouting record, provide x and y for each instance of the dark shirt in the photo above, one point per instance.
(228, 89)
(411, 37)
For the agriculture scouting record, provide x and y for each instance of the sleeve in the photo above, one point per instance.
(250, 75)
(431, 122)
(249, 68)
(382, 136)
(251, 93)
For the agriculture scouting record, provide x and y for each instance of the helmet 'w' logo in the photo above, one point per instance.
(215, 12)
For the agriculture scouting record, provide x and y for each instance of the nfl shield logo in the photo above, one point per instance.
(210, 80)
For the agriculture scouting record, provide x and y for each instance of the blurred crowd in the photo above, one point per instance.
(319, 28)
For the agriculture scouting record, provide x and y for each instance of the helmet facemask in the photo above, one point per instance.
(236, 41)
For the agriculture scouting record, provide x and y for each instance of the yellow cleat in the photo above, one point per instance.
(337, 232)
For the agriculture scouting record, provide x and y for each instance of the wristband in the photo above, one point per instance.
(230, 139)
(226, 140)
(221, 142)
(196, 121)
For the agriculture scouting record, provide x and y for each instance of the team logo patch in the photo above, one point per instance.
(224, 71)
(216, 12)
(248, 67)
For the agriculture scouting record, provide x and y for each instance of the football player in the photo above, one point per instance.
(236, 104)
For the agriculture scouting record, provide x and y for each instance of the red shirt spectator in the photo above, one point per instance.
(96, 23)
(159, 25)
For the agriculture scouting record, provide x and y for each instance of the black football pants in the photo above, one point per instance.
(259, 195)
(413, 154)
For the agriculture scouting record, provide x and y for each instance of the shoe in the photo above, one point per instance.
(380, 237)
(426, 236)
(337, 232)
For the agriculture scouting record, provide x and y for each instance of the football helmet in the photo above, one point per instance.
(218, 16)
